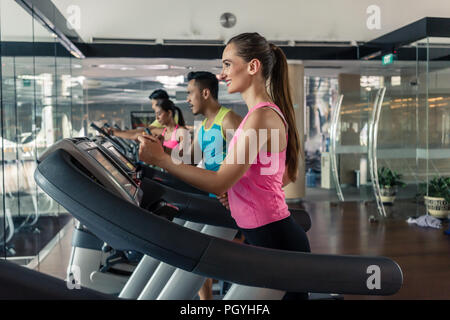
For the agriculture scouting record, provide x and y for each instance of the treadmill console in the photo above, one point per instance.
(120, 177)
(127, 163)
(120, 159)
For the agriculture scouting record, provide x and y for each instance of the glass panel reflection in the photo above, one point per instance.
(37, 109)
(437, 155)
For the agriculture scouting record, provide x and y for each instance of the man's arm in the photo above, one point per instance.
(133, 134)
(127, 134)
(230, 123)
(156, 131)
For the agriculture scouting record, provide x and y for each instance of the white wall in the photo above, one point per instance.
(316, 20)
(17, 24)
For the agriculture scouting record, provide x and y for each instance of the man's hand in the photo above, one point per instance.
(224, 200)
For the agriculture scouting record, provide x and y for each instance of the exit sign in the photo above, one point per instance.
(387, 59)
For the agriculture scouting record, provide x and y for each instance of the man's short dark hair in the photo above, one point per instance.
(205, 80)
(158, 94)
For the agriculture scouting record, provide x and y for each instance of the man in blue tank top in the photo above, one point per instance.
(210, 138)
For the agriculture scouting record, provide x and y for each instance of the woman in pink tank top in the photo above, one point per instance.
(165, 111)
(171, 142)
(264, 153)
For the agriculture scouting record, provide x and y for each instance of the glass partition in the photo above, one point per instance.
(410, 148)
(435, 157)
(40, 100)
(18, 99)
(390, 132)
(350, 128)
(396, 126)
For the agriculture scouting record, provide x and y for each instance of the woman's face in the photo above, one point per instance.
(162, 116)
(234, 70)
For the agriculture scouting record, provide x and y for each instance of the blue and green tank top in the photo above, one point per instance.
(212, 141)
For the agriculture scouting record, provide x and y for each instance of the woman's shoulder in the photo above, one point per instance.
(264, 117)
(183, 131)
(182, 128)
(155, 130)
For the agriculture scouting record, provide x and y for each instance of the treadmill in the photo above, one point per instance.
(178, 194)
(103, 268)
(107, 203)
(97, 265)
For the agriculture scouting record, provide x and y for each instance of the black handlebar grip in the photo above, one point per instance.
(101, 130)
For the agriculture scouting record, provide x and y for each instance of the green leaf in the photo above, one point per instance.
(438, 187)
(389, 178)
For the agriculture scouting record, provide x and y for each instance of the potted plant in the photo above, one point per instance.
(437, 199)
(389, 182)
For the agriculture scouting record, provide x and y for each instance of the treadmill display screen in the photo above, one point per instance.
(122, 158)
(119, 177)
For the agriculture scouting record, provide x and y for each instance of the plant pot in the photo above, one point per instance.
(388, 194)
(437, 207)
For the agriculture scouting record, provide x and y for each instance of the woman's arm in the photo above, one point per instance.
(286, 179)
(232, 168)
(219, 182)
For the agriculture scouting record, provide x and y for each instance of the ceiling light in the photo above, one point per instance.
(170, 82)
(155, 67)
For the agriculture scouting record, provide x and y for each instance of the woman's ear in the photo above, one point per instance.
(254, 66)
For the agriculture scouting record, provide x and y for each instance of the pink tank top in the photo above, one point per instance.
(172, 143)
(258, 199)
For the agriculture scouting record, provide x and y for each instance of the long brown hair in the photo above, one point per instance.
(275, 69)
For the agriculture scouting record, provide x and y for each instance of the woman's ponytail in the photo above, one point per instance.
(181, 121)
(280, 92)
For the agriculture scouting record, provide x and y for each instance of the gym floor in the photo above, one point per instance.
(344, 228)
(30, 242)
(422, 253)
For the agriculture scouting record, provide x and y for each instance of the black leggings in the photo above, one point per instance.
(284, 234)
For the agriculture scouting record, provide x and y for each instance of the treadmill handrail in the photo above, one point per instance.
(19, 282)
(112, 139)
(204, 209)
(125, 226)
